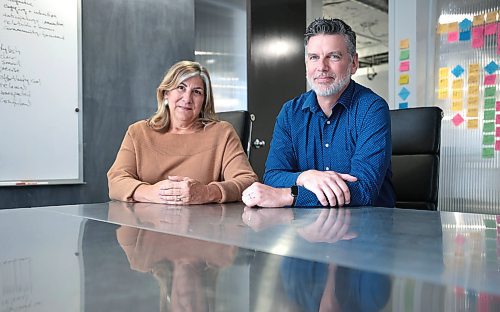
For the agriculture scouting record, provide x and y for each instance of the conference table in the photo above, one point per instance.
(120, 256)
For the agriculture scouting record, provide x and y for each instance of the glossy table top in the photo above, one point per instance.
(148, 257)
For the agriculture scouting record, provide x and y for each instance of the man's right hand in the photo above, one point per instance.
(329, 186)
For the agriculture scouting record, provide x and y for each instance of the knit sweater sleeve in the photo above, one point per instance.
(123, 179)
(237, 174)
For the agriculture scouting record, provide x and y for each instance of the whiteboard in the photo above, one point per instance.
(40, 91)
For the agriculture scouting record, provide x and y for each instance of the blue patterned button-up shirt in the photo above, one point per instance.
(355, 139)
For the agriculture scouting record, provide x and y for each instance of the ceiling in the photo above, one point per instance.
(369, 19)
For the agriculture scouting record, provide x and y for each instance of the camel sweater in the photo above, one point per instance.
(212, 155)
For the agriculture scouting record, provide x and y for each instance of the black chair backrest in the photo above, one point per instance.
(242, 123)
(416, 138)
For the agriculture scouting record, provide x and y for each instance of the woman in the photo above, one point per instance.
(182, 154)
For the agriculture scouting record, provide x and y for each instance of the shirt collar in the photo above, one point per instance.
(345, 99)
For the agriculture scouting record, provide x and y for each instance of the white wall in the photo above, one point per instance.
(379, 84)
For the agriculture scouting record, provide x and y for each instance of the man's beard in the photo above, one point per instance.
(333, 88)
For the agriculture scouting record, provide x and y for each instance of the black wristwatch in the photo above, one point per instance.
(294, 191)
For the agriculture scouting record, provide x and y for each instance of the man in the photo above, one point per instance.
(332, 145)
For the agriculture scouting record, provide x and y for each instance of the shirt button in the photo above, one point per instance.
(326, 145)
(327, 168)
(328, 122)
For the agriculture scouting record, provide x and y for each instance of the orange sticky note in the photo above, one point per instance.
(404, 44)
(478, 20)
(473, 101)
(472, 124)
(472, 112)
(442, 28)
(453, 27)
(474, 68)
(473, 90)
(473, 79)
(458, 84)
(491, 17)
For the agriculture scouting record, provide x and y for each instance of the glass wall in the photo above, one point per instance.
(221, 46)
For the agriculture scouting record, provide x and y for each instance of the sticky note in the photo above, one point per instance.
(478, 37)
(404, 79)
(404, 44)
(442, 94)
(444, 71)
(473, 90)
(457, 94)
(474, 68)
(404, 66)
(490, 29)
(472, 124)
(488, 152)
(497, 132)
(404, 55)
(498, 40)
(497, 145)
(490, 91)
(488, 139)
(489, 115)
(473, 101)
(489, 103)
(489, 127)
(457, 106)
(497, 119)
(478, 20)
(464, 35)
(497, 106)
(442, 28)
(457, 84)
(443, 83)
(472, 112)
(403, 105)
(457, 120)
(453, 36)
(490, 79)
(473, 79)
(491, 17)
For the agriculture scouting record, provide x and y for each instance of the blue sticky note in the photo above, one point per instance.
(404, 93)
(457, 71)
(491, 67)
(465, 24)
(464, 35)
(403, 105)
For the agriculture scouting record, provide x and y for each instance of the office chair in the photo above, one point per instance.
(242, 123)
(416, 137)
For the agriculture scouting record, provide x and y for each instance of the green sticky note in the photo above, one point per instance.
(489, 103)
(488, 152)
(491, 233)
(404, 54)
(489, 127)
(488, 139)
(489, 114)
(490, 224)
(489, 91)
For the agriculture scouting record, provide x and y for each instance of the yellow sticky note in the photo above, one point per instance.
(473, 90)
(404, 79)
(404, 44)
(473, 101)
(472, 112)
(491, 17)
(442, 28)
(472, 124)
(453, 27)
(444, 72)
(474, 69)
(442, 94)
(443, 83)
(478, 20)
(456, 106)
(473, 79)
(458, 84)
(457, 94)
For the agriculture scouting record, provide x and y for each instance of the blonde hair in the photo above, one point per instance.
(179, 72)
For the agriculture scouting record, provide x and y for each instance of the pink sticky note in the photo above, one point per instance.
(457, 120)
(497, 119)
(490, 29)
(497, 132)
(478, 37)
(453, 36)
(498, 42)
(497, 145)
(404, 66)
(490, 79)
(498, 106)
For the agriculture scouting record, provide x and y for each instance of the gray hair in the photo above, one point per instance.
(334, 26)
